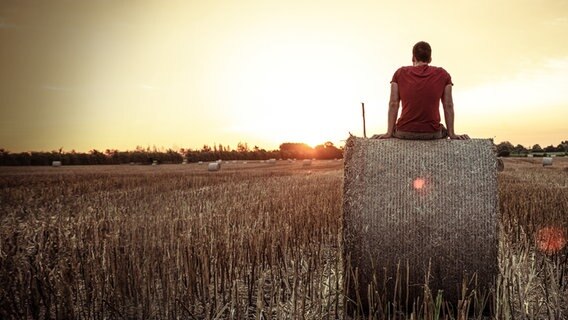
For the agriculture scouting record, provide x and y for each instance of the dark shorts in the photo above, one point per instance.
(441, 134)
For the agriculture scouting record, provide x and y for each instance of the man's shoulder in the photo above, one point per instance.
(439, 69)
(404, 68)
(430, 67)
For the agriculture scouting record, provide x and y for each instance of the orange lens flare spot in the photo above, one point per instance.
(418, 183)
(551, 239)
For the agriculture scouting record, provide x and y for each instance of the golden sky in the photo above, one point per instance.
(120, 74)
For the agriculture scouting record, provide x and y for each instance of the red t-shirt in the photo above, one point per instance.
(420, 88)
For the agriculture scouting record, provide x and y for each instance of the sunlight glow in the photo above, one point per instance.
(191, 73)
(418, 183)
(551, 239)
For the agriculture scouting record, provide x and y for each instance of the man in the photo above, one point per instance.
(421, 87)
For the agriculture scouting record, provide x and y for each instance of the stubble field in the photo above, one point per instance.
(250, 241)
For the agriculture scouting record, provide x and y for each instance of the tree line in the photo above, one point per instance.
(287, 150)
(149, 155)
(506, 149)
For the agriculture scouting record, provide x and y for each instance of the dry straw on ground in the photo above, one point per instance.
(419, 212)
(248, 242)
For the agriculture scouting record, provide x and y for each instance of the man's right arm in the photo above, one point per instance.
(448, 103)
(394, 103)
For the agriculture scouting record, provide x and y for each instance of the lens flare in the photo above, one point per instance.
(418, 183)
(551, 239)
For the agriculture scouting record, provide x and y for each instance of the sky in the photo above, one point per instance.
(104, 74)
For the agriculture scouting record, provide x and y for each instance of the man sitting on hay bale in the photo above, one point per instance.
(421, 87)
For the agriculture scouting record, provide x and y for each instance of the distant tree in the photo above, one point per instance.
(294, 150)
(504, 149)
(242, 147)
(536, 148)
(520, 149)
(550, 148)
(327, 151)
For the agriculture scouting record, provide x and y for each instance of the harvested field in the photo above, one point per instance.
(245, 242)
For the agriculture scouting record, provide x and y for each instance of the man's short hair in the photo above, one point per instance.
(422, 51)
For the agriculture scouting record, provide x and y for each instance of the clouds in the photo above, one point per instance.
(529, 90)
(268, 70)
(527, 107)
(50, 87)
(557, 22)
(5, 25)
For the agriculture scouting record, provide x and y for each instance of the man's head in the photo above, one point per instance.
(422, 52)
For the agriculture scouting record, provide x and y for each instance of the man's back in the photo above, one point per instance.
(420, 88)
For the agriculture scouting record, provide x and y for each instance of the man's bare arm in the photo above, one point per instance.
(394, 104)
(448, 103)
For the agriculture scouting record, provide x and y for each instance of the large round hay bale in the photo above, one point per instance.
(546, 161)
(428, 208)
(271, 161)
(56, 163)
(306, 162)
(214, 166)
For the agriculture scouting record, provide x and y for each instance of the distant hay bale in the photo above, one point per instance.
(155, 162)
(290, 160)
(184, 161)
(428, 205)
(529, 155)
(546, 161)
(214, 166)
(200, 162)
(56, 164)
(245, 162)
(271, 161)
(306, 162)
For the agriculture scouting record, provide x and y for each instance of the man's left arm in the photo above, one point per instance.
(448, 103)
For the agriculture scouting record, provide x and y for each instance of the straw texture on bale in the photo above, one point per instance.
(428, 205)
(546, 161)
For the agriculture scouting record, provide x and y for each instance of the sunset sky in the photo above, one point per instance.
(119, 74)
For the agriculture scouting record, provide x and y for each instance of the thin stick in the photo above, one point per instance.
(364, 126)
